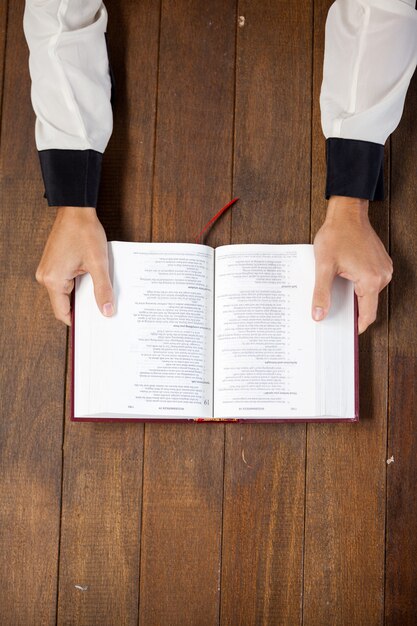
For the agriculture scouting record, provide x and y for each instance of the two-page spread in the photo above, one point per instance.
(203, 333)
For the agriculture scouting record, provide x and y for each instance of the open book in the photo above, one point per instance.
(202, 333)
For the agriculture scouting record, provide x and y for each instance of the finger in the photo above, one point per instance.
(368, 306)
(61, 307)
(103, 289)
(325, 274)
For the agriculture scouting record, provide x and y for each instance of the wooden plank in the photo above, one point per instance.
(33, 346)
(401, 586)
(263, 524)
(195, 119)
(3, 27)
(103, 469)
(183, 481)
(345, 499)
(264, 465)
(401, 547)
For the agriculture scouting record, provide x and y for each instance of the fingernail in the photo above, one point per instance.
(318, 313)
(108, 308)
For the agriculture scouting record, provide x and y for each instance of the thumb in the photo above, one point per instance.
(103, 289)
(325, 274)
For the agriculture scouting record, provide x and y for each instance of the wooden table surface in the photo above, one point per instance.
(203, 524)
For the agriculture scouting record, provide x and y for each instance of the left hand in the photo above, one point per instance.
(347, 245)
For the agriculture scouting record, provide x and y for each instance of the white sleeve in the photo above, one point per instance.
(369, 59)
(71, 95)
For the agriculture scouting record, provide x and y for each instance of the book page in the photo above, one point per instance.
(154, 357)
(335, 353)
(265, 337)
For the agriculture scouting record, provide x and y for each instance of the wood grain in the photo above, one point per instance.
(183, 481)
(345, 481)
(401, 570)
(265, 463)
(32, 367)
(3, 29)
(103, 462)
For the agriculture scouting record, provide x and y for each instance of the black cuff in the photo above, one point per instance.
(355, 168)
(71, 177)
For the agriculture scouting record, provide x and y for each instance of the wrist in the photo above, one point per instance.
(78, 212)
(345, 207)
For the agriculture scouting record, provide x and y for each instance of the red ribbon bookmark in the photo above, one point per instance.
(213, 219)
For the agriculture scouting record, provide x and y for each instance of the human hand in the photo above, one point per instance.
(347, 245)
(76, 244)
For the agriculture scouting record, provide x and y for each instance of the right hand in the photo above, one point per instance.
(77, 244)
(348, 246)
